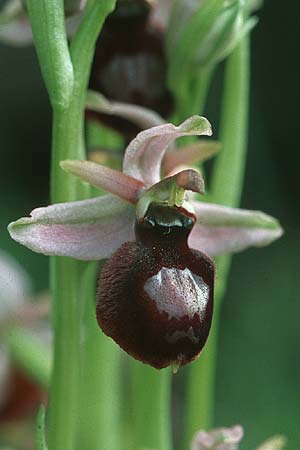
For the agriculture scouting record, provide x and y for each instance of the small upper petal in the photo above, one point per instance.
(220, 229)
(105, 178)
(87, 229)
(190, 154)
(144, 154)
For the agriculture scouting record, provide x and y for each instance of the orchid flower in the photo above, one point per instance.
(93, 229)
(143, 259)
(229, 439)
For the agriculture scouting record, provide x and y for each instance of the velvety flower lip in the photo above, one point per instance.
(93, 229)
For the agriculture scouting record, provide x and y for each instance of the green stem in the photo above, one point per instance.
(228, 174)
(65, 282)
(192, 94)
(199, 93)
(226, 188)
(66, 78)
(84, 41)
(49, 33)
(151, 396)
(63, 406)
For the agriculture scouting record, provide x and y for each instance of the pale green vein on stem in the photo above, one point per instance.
(151, 397)
(226, 188)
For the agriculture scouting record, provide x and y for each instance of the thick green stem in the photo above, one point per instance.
(66, 76)
(226, 188)
(65, 284)
(63, 407)
(151, 396)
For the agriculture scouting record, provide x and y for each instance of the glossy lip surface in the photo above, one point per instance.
(178, 292)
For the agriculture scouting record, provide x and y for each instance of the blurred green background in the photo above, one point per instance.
(258, 365)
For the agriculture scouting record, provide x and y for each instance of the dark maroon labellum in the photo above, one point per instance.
(155, 295)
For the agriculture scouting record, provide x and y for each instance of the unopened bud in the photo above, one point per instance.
(206, 32)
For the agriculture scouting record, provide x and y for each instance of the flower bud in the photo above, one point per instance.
(203, 33)
(130, 65)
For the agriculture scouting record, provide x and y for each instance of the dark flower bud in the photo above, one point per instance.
(74, 6)
(130, 64)
(155, 295)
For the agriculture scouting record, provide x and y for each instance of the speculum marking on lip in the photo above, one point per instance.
(178, 292)
(174, 337)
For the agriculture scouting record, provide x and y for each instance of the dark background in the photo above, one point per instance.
(258, 365)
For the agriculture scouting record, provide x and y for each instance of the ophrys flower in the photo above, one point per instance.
(155, 294)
